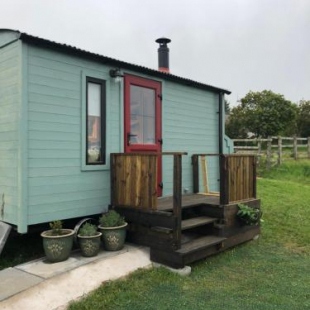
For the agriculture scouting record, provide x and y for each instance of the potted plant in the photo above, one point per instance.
(113, 228)
(89, 240)
(57, 242)
(247, 215)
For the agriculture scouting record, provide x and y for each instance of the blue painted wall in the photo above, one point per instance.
(190, 124)
(59, 187)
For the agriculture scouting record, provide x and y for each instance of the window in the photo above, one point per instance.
(142, 115)
(96, 122)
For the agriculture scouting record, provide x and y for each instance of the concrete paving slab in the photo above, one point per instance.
(13, 281)
(57, 292)
(44, 269)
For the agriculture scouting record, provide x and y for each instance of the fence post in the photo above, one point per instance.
(295, 148)
(309, 147)
(279, 150)
(259, 150)
(269, 152)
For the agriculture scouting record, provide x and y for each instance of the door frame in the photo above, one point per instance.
(144, 148)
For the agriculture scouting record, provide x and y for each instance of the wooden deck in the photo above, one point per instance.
(182, 229)
(190, 200)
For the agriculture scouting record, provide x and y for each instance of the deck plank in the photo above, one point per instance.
(166, 203)
(202, 242)
(197, 221)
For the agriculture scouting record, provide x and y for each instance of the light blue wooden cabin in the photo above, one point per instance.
(45, 172)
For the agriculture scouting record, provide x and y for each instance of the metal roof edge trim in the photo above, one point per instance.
(122, 64)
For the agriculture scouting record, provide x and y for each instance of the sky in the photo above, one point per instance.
(239, 45)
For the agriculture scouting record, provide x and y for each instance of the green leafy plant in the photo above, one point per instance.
(248, 215)
(88, 230)
(111, 219)
(56, 228)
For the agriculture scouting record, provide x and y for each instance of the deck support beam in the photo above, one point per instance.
(177, 197)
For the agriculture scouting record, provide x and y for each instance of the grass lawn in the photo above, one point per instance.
(270, 273)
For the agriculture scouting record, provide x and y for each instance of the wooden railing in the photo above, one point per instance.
(134, 184)
(237, 176)
(134, 180)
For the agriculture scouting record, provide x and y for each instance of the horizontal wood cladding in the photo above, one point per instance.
(39, 127)
(10, 97)
(190, 124)
(58, 188)
(65, 208)
(50, 100)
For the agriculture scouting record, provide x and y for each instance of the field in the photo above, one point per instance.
(269, 273)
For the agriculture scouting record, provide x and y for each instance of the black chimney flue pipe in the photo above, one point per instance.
(163, 55)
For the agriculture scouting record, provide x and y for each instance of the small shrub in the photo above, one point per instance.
(88, 229)
(56, 228)
(248, 215)
(111, 219)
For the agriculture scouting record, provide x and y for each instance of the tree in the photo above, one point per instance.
(227, 107)
(235, 126)
(263, 114)
(303, 118)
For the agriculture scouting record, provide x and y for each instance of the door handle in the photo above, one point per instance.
(129, 136)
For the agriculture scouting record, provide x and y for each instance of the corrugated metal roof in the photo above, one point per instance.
(114, 62)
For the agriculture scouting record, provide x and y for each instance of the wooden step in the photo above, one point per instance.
(200, 243)
(187, 224)
(197, 221)
(191, 251)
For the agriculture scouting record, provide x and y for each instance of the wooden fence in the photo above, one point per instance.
(274, 149)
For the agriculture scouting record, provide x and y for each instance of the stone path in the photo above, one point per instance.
(40, 285)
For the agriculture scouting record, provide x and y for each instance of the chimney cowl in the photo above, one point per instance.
(163, 54)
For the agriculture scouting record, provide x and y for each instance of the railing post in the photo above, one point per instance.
(279, 150)
(195, 164)
(269, 152)
(259, 150)
(224, 180)
(295, 147)
(254, 177)
(309, 147)
(177, 197)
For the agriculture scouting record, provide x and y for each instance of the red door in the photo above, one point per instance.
(143, 118)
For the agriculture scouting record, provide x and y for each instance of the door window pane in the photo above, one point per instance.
(142, 115)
